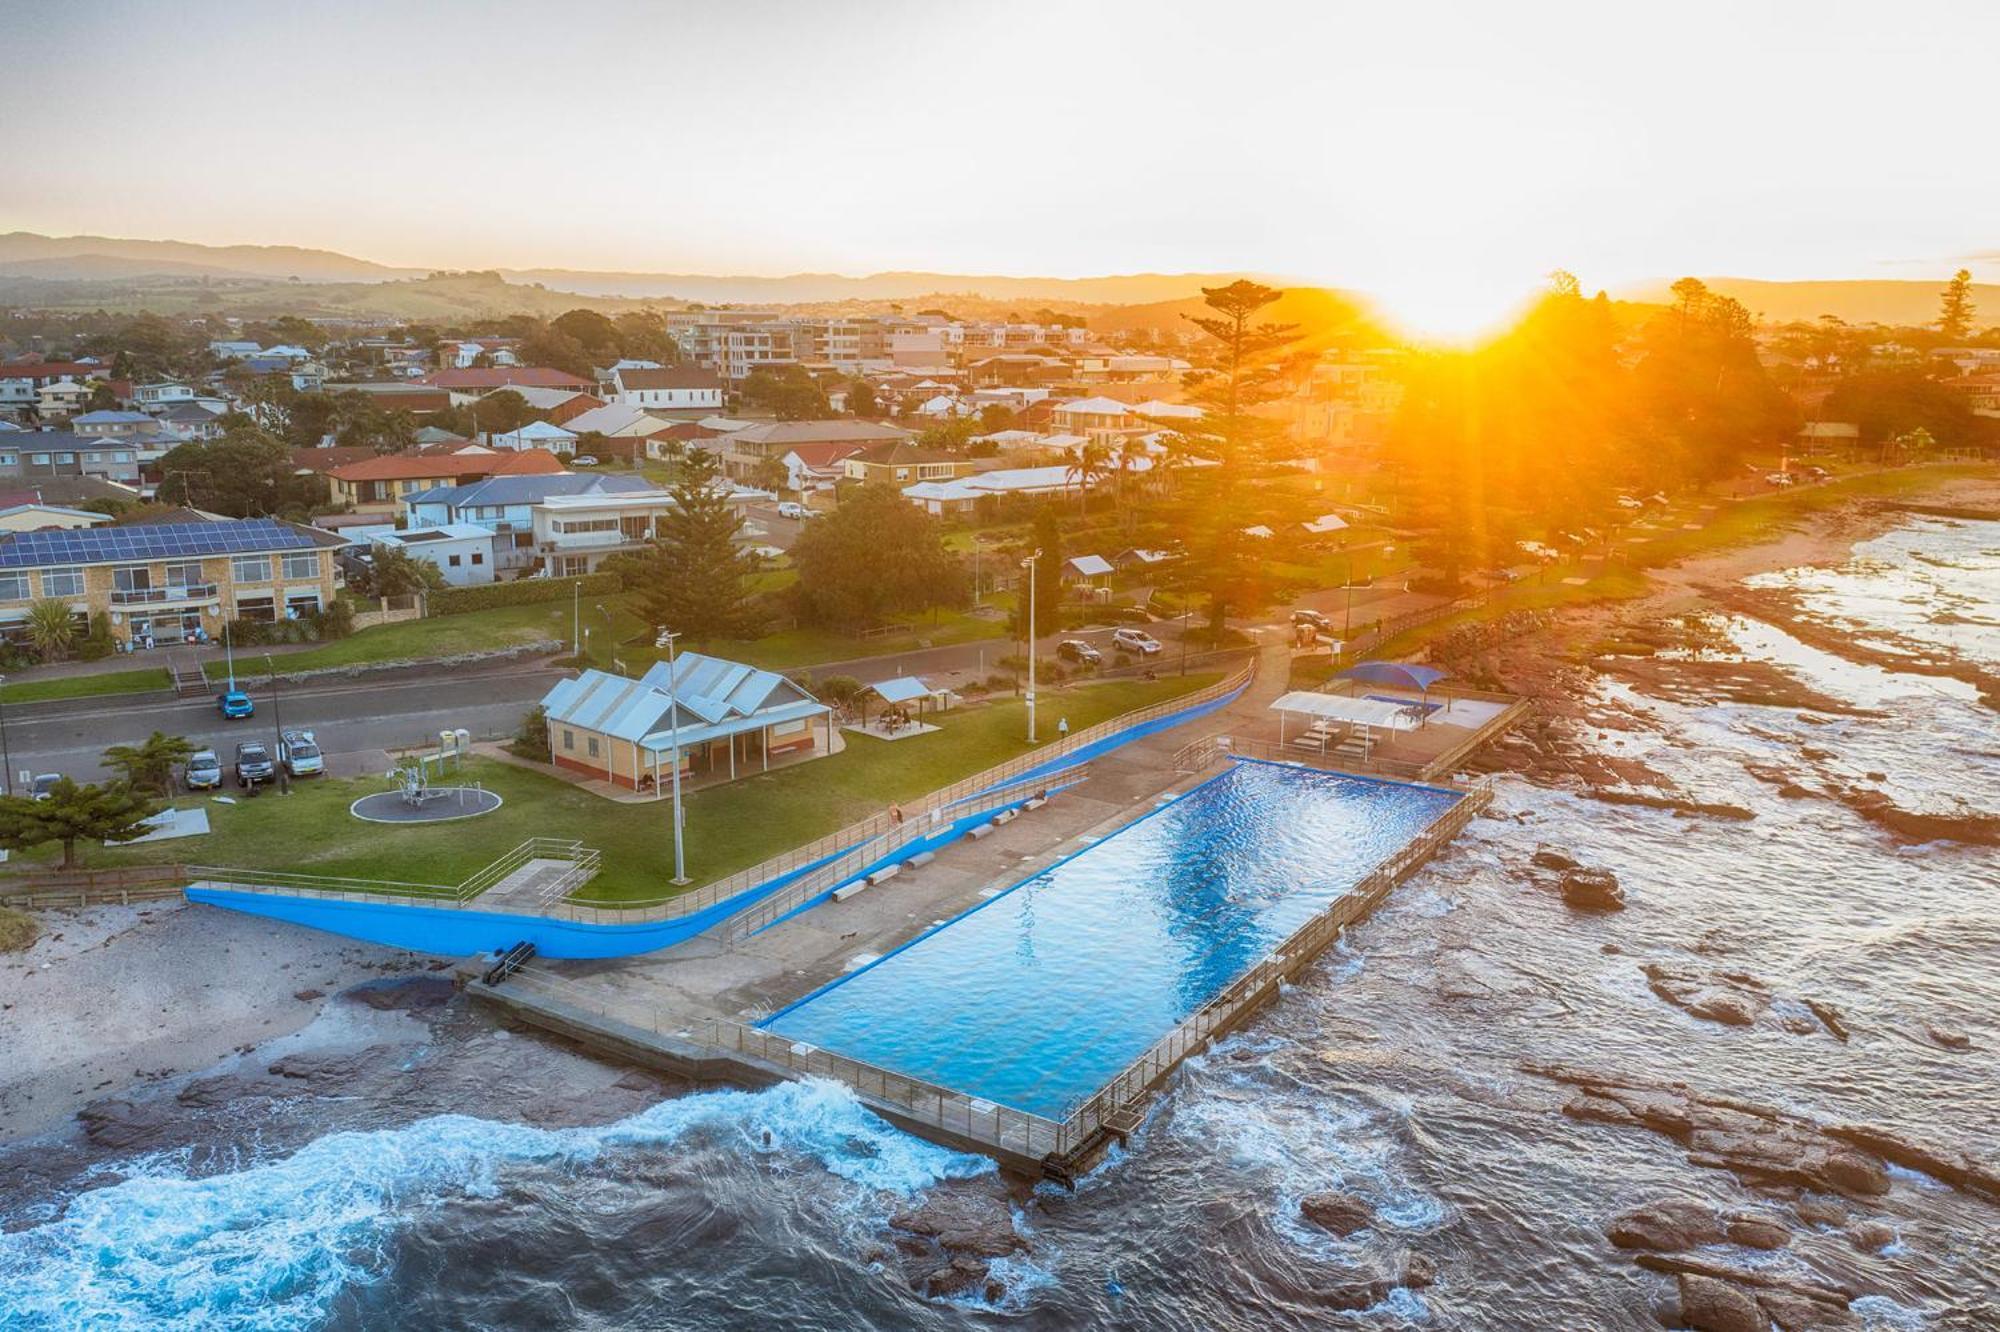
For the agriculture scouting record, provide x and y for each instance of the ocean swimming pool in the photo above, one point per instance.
(1038, 997)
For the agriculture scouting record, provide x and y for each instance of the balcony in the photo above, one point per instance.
(592, 541)
(160, 596)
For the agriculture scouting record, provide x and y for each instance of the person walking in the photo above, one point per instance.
(1062, 729)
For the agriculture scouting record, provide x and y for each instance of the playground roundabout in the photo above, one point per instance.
(415, 799)
(440, 804)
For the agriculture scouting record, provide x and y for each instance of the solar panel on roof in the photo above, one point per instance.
(150, 542)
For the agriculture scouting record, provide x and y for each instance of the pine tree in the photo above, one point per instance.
(69, 813)
(1955, 308)
(1047, 572)
(693, 579)
(1246, 376)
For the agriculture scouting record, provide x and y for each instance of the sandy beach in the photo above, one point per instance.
(111, 998)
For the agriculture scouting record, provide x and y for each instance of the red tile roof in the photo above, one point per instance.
(449, 466)
(673, 377)
(498, 377)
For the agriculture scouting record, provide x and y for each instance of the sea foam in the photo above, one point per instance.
(272, 1245)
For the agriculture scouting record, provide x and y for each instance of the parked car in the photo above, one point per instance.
(1778, 478)
(583, 460)
(793, 509)
(1075, 649)
(38, 789)
(203, 771)
(1303, 618)
(1135, 640)
(233, 703)
(299, 752)
(253, 764)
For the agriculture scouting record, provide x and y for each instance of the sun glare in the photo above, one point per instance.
(1449, 308)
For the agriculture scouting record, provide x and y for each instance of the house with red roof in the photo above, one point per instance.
(473, 382)
(380, 484)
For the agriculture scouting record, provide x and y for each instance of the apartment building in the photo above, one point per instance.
(160, 583)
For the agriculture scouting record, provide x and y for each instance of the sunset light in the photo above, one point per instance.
(1143, 664)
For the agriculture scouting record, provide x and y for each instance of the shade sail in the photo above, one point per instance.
(1398, 674)
(902, 689)
(1355, 711)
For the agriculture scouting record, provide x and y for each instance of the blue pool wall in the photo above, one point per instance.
(1054, 865)
(460, 932)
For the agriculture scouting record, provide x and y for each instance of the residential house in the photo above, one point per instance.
(413, 399)
(109, 424)
(168, 582)
(461, 552)
(149, 397)
(191, 420)
(1087, 571)
(673, 389)
(41, 454)
(382, 484)
(21, 382)
(574, 534)
(536, 435)
(470, 384)
(506, 506)
(464, 353)
(225, 349)
(900, 462)
(711, 716)
(817, 466)
(560, 405)
(62, 397)
(1096, 416)
(27, 513)
(962, 494)
(745, 450)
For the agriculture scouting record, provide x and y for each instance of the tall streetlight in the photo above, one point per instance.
(576, 620)
(674, 712)
(6, 758)
(277, 725)
(1029, 565)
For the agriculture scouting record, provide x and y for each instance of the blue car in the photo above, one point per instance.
(234, 703)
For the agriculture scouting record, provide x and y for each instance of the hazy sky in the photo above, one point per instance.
(1438, 153)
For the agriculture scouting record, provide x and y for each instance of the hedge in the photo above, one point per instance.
(521, 592)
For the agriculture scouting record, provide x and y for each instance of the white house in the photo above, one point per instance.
(536, 435)
(574, 533)
(150, 397)
(669, 388)
(462, 552)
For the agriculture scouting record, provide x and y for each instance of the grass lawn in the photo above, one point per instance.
(729, 827)
(89, 686)
(439, 636)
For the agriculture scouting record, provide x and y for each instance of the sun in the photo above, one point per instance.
(1450, 307)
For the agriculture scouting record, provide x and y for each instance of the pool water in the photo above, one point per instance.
(1038, 997)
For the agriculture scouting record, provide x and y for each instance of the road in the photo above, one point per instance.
(354, 722)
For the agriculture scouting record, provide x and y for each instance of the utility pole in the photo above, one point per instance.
(1029, 565)
(278, 754)
(576, 620)
(674, 703)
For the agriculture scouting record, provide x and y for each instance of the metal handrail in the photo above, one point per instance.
(586, 861)
(672, 906)
(140, 596)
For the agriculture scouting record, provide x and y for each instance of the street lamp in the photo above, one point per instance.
(668, 636)
(277, 725)
(1029, 565)
(6, 758)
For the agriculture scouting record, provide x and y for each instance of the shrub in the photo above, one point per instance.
(98, 643)
(839, 690)
(532, 740)
(522, 592)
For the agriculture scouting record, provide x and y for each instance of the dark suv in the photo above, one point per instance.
(253, 764)
(1075, 649)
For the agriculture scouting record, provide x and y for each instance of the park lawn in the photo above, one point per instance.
(438, 636)
(729, 827)
(88, 686)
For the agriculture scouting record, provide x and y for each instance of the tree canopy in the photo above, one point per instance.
(70, 813)
(247, 473)
(693, 579)
(875, 556)
(788, 392)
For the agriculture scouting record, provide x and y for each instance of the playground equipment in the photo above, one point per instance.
(419, 797)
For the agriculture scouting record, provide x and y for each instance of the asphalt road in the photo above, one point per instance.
(350, 721)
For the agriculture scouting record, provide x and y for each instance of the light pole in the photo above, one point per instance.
(674, 712)
(1029, 565)
(576, 620)
(6, 758)
(277, 725)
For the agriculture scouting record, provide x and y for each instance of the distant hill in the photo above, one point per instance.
(453, 297)
(1871, 301)
(97, 258)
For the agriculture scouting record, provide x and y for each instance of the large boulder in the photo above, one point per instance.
(1544, 858)
(1592, 890)
(1338, 1213)
(963, 1221)
(958, 1277)
(1708, 1305)
(1670, 1225)
(1758, 1230)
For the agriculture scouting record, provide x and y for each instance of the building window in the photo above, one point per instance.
(65, 457)
(250, 568)
(13, 586)
(184, 574)
(302, 564)
(301, 603)
(478, 557)
(452, 560)
(569, 738)
(132, 578)
(62, 582)
(592, 740)
(93, 457)
(40, 459)
(121, 457)
(262, 609)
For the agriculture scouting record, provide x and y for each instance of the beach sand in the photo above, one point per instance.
(116, 997)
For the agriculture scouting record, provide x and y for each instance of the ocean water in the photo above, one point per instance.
(1038, 997)
(470, 1178)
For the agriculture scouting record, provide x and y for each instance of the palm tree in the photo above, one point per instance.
(51, 628)
(1093, 462)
